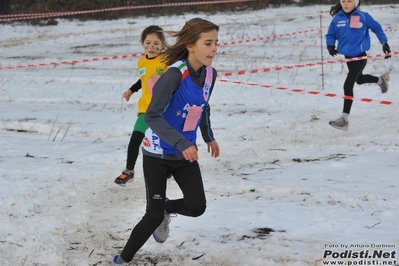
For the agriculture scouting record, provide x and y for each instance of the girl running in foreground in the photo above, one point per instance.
(179, 106)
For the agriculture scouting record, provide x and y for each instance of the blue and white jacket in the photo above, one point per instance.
(352, 32)
(178, 89)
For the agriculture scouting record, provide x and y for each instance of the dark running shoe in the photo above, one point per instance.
(124, 177)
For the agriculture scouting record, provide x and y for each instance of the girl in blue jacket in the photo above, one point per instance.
(350, 28)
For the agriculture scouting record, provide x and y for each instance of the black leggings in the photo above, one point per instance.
(355, 74)
(133, 149)
(156, 171)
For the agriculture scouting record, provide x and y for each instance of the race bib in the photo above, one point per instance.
(192, 118)
(355, 22)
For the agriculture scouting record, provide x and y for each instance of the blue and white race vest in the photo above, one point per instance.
(187, 95)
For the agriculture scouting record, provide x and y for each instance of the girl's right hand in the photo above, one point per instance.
(190, 154)
(127, 95)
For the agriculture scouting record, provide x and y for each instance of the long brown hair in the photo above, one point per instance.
(335, 8)
(189, 34)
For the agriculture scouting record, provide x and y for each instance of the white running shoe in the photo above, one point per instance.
(340, 123)
(384, 84)
(162, 232)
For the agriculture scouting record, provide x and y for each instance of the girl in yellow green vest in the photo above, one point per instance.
(151, 68)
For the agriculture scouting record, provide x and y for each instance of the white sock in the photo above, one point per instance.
(345, 116)
(379, 81)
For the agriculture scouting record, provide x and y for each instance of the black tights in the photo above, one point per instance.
(355, 74)
(133, 149)
(156, 172)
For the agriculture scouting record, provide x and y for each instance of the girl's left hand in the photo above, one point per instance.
(213, 148)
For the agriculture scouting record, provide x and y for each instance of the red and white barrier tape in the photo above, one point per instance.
(63, 14)
(72, 62)
(298, 90)
(279, 68)
(226, 74)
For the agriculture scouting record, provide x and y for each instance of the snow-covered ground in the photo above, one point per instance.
(288, 189)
